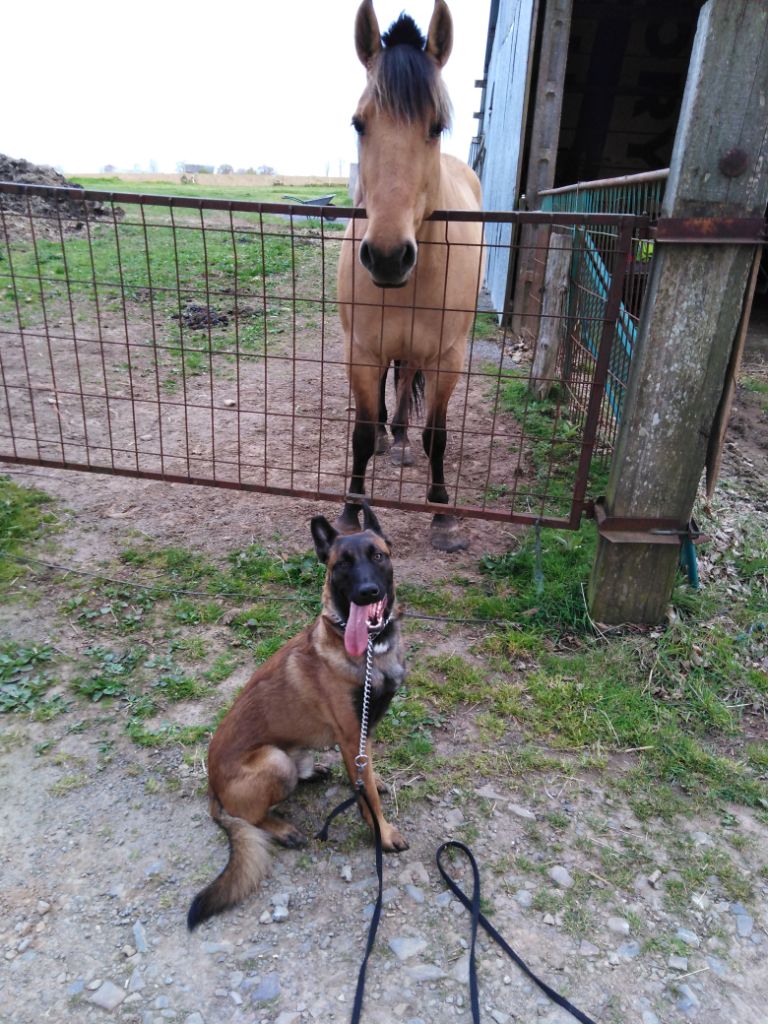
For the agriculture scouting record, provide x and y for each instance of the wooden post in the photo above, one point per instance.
(551, 323)
(719, 168)
(540, 173)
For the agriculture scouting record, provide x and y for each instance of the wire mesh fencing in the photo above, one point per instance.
(199, 341)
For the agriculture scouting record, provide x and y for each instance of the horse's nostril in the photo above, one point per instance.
(408, 256)
(366, 257)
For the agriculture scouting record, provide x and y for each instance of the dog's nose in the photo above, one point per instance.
(368, 592)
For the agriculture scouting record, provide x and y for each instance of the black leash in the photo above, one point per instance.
(357, 1006)
(472, 905)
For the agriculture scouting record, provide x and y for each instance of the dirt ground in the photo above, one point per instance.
(104, 844)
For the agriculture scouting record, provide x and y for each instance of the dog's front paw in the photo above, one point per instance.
(292, 839)
(392, 841)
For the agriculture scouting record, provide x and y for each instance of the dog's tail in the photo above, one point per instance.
(249, 855)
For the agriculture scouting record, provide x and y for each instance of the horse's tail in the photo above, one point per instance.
(417, 391)
(248, 864)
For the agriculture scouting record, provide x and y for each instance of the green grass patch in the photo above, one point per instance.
(757, 386)
(24, 516)
(406, 732)
(551, 442)
(221, 190)
(539, 584)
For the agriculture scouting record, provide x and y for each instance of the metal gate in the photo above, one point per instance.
(198, 341)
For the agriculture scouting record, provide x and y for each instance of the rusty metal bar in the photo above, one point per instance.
(711, 230)
(612, 306)
(619, 181)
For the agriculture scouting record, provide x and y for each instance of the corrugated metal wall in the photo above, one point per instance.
(502, 129)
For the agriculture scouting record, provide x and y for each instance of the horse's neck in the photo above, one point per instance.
(459, 189)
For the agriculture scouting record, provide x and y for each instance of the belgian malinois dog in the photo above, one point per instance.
(307, 696)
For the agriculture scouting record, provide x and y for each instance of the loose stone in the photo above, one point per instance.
(688, 937)
(108, 996)
(407, 946)
(561, 876)
(415, 893)
(522, 812)
(140, 938)
(618, 925)
(425, 972)
(588, 949)
(267, 989)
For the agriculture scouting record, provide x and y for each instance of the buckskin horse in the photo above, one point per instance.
(407, 286)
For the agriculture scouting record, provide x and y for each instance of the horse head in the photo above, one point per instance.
(399, 120)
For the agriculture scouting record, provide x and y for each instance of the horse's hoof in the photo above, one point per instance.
(400, 454)
(348, 521)
(446, 536)
(382, 441)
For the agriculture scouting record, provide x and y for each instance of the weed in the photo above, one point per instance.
(68, 783)
(22, 683)
(110, 674)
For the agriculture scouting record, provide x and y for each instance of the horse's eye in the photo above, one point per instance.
(436, 130)
(357, 124)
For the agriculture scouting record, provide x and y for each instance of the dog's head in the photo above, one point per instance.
(359, 583)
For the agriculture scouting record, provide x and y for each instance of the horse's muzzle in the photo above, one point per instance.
(388, 269)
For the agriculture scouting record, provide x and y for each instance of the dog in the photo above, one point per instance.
(308, 696)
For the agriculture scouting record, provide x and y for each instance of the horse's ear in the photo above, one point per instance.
(323, 534)
(367, 35)
(440, 35)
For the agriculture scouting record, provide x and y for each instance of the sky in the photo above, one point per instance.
(147, 85)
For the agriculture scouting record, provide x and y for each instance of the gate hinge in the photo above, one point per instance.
(636, 530)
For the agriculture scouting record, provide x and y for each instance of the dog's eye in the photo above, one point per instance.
(378, 556)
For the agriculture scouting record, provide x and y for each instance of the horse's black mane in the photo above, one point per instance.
(404, 32)
(406, 81)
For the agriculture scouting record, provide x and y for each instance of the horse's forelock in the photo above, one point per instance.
(404, 32)
(406, 83)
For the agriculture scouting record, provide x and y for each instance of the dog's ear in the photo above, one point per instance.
(370, 522)
(323, 534)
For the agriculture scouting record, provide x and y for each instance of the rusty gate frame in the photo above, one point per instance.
(625, 227)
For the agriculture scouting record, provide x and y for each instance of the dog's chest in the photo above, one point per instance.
(388, 672)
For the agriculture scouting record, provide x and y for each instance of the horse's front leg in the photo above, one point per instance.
(445, 533)
(365, 381)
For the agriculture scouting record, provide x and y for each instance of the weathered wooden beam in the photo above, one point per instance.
(540, 173)
(719, 168)
(551, 323)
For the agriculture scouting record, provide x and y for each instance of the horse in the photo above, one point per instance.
(407, 286)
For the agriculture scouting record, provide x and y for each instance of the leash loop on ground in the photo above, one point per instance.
(473, 906)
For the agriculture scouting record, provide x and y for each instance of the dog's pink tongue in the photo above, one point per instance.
(356, 632)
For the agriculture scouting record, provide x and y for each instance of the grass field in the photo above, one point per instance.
(250, 187)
